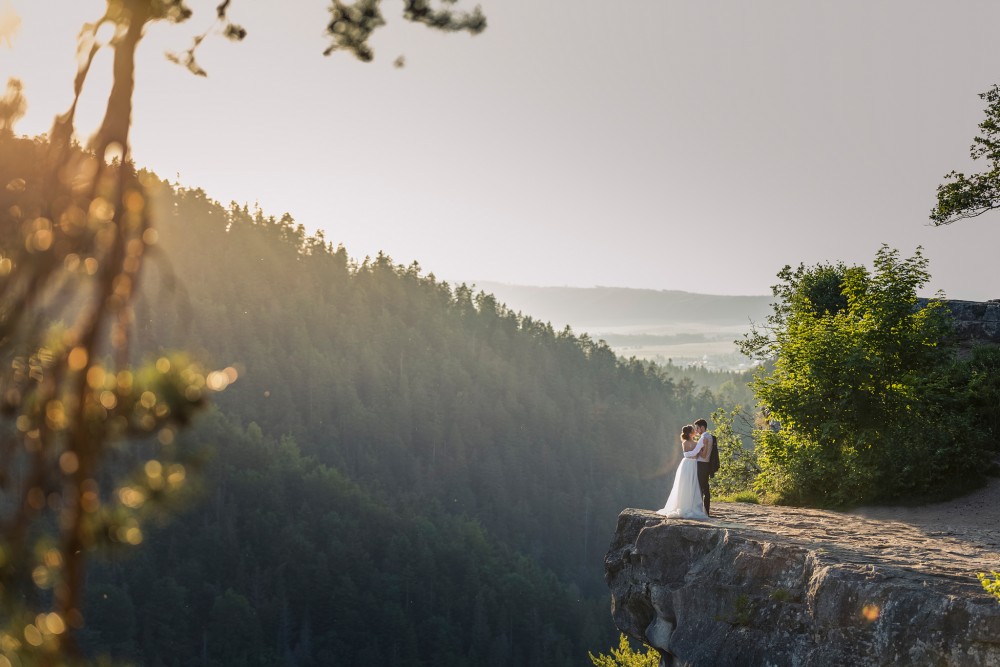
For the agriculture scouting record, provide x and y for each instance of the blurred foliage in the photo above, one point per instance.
(866, 400)
(625, 656)
(970, 196)
(12, 106)
(992, 586)
(76, 229)
(76, 400)
(350, 27)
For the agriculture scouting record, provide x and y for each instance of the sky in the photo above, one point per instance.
(695, 145)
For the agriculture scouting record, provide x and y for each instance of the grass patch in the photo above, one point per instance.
(741, 497)
(780, 595)
(742, 611)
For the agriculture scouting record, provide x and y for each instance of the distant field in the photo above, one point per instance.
(692, 343)
(662, 325)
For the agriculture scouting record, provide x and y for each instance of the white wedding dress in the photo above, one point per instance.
(684, 501)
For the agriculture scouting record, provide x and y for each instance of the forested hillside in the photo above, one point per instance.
(404, 473)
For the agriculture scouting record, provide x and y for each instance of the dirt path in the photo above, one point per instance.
(938, 544)
(979, 509)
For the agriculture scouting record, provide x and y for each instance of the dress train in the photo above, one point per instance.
(684, 501)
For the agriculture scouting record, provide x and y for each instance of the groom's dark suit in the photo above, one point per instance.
(706, 491)
(704, 472)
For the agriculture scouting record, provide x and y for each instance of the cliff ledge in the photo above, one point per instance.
(764, 585)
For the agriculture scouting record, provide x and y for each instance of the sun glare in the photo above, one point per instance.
(10, 23)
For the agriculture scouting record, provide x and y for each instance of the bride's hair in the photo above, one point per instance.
(686, 432)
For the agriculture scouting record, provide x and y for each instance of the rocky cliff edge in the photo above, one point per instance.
(765, 585)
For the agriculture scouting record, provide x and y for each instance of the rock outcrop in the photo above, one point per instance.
(764, 585)
(976, 322)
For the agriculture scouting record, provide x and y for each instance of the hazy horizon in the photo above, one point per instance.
(584, 287)
(548, 151)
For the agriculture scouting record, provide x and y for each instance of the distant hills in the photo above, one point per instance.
(614, 307)
(660, 325)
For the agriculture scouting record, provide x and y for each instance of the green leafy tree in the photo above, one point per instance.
(979, 377)
(625, 656)
(856, 398)
(816, 289)
(971, 196)
(738, 459)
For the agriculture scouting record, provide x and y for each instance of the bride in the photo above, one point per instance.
(684, 501)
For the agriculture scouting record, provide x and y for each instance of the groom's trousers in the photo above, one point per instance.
(704, 471)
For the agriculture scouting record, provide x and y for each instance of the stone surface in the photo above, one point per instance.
(976, 322)
(765, 585)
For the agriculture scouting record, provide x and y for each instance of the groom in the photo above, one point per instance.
(707, 442)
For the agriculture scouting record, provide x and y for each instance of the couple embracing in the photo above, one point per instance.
(691, 497)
